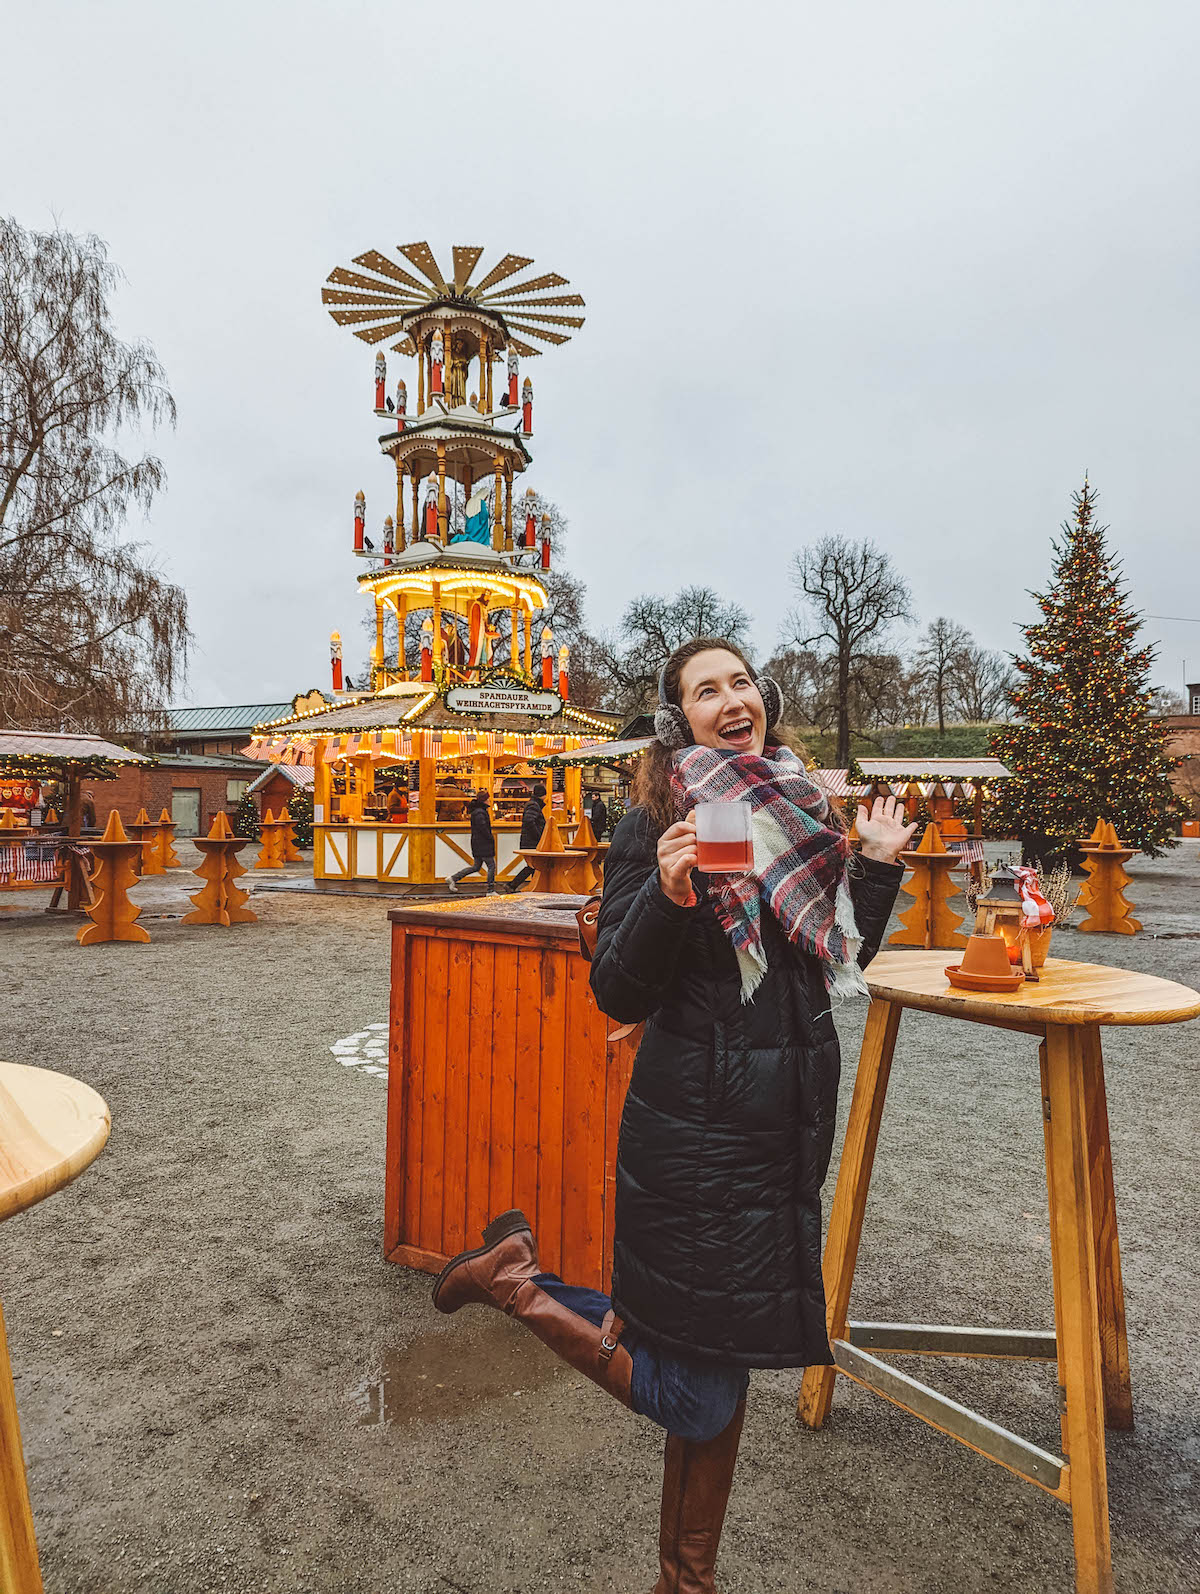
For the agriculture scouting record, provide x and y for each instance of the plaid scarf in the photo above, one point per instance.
(800, 862)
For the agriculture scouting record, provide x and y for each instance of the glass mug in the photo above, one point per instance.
(724, 839)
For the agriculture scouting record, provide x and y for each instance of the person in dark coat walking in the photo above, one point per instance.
(483, 844)
(599, 817)
(729, 1119)
(533, 825)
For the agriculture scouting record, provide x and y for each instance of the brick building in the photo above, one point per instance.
(224, 729)
(192, 787)
(200, 768)
(1183, 741)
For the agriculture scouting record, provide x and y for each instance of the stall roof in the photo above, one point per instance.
(298, 774)
(65, 748)
(598, 752)
(836, 783)
(428, 714)
(917, 767)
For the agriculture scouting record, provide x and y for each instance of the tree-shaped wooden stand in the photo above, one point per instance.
(166, 841)
(111, 912)
(930, 922)
(145, 831)
(270, 854)
(584, 840)
(290, 851)
(1102, 897)
(220, 902)
(556, 868)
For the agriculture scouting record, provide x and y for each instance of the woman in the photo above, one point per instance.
(483, 844)
(729, 1120)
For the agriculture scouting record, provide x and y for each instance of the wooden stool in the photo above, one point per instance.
(1065, 1012)
(51, 1128)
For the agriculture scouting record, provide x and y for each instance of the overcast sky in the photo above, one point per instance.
(893, 271)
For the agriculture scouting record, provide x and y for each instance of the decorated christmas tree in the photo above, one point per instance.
(245, 818)
(1084, 746)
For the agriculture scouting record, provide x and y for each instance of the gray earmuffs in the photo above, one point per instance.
(670, 722)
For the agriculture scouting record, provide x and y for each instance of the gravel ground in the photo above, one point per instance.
(223, 1386)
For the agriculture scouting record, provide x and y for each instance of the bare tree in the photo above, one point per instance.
(1166, 700)
(651, 628)
(937, 656)
(980, 683)
(91, 634)
(851, 595)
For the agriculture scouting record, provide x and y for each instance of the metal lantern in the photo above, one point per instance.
(999, 911)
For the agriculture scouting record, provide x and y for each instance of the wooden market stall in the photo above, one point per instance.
(41, 774)
(393, 774)
(940, 782)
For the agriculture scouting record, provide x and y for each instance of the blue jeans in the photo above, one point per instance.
(475, 866)
(690, 1398)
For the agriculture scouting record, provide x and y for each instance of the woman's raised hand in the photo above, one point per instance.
(883, 832)
(677, 859)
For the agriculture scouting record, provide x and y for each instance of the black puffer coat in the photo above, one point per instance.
(483, 837)
(533, 822)
(729, 1121)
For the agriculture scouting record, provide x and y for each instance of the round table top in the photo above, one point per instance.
(1066, 993)
(51, 1128)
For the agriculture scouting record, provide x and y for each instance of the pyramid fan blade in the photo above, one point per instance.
(377, 334)
(538, 332)
(421, 256)
(554, 320)
(405, 346)
(355, 279)
(374, 261)
(551, 280)
(523, 349)
(502, 269)
(353, 318)
(466, 258)
(386, 301)
(551, 298)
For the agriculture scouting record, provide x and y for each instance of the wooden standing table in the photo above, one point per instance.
(1065, 1011)
(51, 1128)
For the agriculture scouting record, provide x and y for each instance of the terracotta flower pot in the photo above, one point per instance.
(1039, 945)
(986, 954)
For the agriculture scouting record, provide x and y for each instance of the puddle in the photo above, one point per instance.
(444, 1374)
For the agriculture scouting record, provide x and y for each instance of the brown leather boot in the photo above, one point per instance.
(696, 1483)
(500, 1274)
